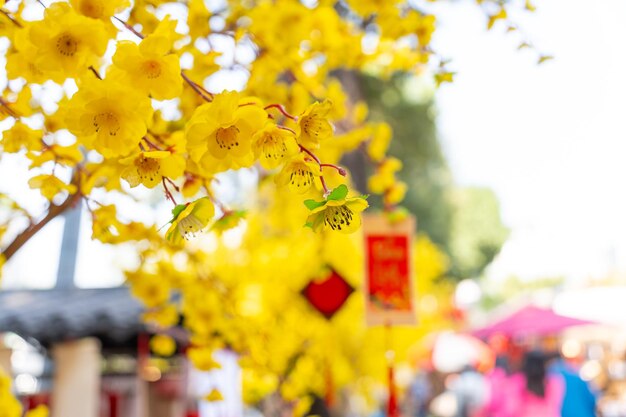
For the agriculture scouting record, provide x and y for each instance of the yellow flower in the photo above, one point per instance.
(273, 145)
(378, 145)
(163, 345)
(384, 177)
(149, 288)
(368, 7)
(18, 105)
(20, 62)
(20, 136)
(299, 173)
(192, 183)
(39, 411)
(214, 395)
(337, 212)
(190, 219)
(108, 117)
(50, 185)
(166, 29)
(314, 126)
(2, 257)
(198, 19)
(203, 65)
(395, 194)
(63, 155)
(9, 405)
(99, 9)
(108, 229)
(66, 43)
(105, 174)
(148, 168)
(224, 129)
(202, 358)
(229, 220)
(7, 27)
(337, 96)
(55, 121)
(443, 77)
(424, 29)
(302, 406)
(165, 316)
(149, 67)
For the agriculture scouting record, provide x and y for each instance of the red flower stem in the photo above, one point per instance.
(196, 88)
(311, 154)
(168, 194)
(280, 109)
(151, 144)
(159, 139)
(172, 183)
(322, 180)
(340, 170)
(286, 128)
(326, 190)
(129, 27)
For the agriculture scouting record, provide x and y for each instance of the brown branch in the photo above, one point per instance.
(196, 87)
(8, 108)
(11, 18)
(53, 211)
(95, 72)
(129, 27)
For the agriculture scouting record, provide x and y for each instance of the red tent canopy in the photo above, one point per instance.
(529, 320)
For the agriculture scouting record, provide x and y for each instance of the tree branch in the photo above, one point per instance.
(53, 211)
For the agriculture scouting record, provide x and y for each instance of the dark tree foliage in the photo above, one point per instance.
(416, 144)
(465, 223)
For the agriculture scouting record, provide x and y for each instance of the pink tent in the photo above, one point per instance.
(527, 321)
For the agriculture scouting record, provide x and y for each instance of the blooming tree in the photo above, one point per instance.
(105, 97)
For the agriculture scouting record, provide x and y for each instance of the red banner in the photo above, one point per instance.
(389, 286)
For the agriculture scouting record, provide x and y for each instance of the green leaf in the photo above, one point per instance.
(312, 204)
(338, 193)
(228, 221)
(308, 224)
(177, 210)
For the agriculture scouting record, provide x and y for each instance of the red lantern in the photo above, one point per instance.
(329, 294)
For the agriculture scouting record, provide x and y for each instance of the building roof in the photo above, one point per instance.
(49, 316)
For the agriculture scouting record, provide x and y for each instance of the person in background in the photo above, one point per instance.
(470, 391)
(497, 397)
(535, 392)
(418, 395)
(579, 400)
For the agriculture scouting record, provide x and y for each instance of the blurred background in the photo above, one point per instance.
(515, 174)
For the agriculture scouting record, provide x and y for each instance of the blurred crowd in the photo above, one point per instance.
(532, 383)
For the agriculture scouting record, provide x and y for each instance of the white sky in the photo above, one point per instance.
(549, 139)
